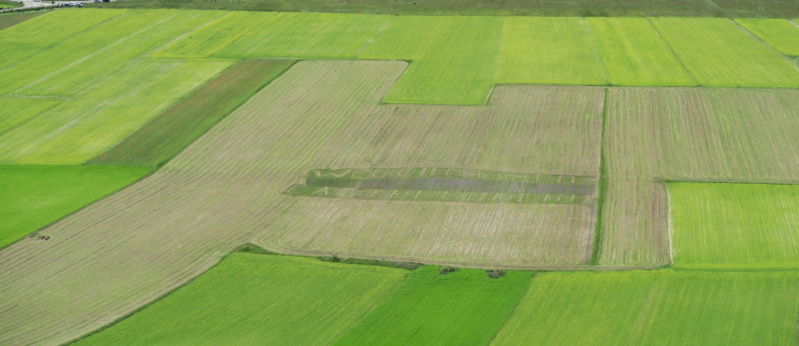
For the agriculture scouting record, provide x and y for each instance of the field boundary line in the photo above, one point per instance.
(146, 305)
(593, 48)
(462, 264)
(768, 46)
(673, 53)
(792, 22)
(151, 172)
(601, 182)
(512, 313)
(375, 36)
(67, 39)
(669, 223)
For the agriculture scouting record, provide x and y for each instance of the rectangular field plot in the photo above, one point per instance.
(778, 33)
(691, 134)
(633, 54)
(720, 54)
(656, 308)
(547, 51)
(257, 299)
(464, 307)
(34, 196)
(734, 225)
(306, 35)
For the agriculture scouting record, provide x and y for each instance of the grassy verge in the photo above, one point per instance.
(180, 125)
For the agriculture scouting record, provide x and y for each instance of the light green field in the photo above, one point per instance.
(259, 299)
(77, 130)
(34, 196)
(633, 54)
(453, 58)
(662, 307)
(778, 33)
(32, 36)
(734, 225)
(547, 51)
(214, 36)
(718, 53)
(465, 307)
(306, 35)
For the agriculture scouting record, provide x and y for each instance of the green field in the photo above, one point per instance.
(558, 143)
(780, 34)
(734, 225)
(34, 196)
(662, 307)
(718, 53)
(633, 54)
(180, 125)
(257, 299)
(429, 308)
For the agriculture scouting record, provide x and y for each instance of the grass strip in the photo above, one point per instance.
(16, 18)
(176, 128)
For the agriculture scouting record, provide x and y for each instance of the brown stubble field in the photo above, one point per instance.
(686, 134)
(225, 189)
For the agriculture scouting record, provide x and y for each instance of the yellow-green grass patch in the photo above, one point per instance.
(663, 307)
(306, 35)
(75, 131)
(547, 51)
(738, 226)
(781, 34)
(719, 53)
(633, 54)
(259, 299)
(34, 196)
(210, 38)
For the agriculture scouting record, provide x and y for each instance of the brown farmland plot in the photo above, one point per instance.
(226, 189)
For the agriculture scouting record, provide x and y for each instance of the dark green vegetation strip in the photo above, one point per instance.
(7, 20)
(35, 196)
(446, 184)
(464, 307)
(584, 8)
(259, 299)
(176, 128)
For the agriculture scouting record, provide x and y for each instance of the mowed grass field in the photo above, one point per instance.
(257, 299)
(34, 196)
(740, 226)
(191, 90)
(662, 307)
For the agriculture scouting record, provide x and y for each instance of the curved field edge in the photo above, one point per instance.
(36, 196)
(177, 127)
